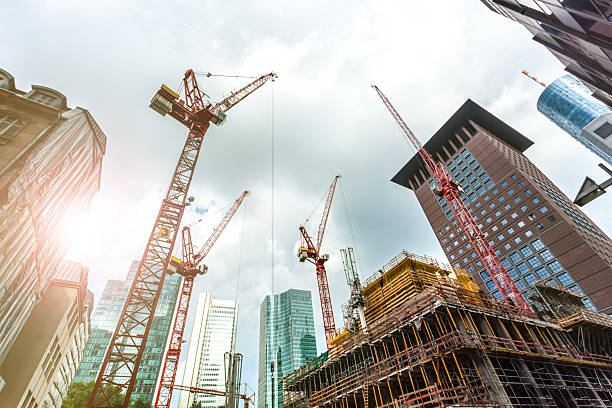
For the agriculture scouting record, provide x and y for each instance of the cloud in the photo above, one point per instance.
(319, 119)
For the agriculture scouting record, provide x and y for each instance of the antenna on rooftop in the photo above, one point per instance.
(534, 78)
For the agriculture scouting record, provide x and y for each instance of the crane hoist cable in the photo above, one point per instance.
(208, 75)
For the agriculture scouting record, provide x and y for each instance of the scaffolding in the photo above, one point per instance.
(447, 344)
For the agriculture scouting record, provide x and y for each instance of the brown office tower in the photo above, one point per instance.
(536, 231)
(50, 164)
(577, 32)
(433, 340)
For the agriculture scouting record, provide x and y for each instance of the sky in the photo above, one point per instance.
(287, 141)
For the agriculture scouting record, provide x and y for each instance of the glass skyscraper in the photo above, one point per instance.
(213, 334)
(569, 104)
(287, 338)
(104, 320)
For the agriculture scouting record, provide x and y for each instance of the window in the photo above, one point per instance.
(543, 210)
(505, 263)
(484, 275)
(495, 191)
(510, 192)
(528, 233)
(513, 177)
(491, 242)
(604, 131)
(555, 266)
(522, 268)
(515, 257)
(452, 235)
(465, 260)
(504, 184)
(444, 240)
(521, 224)
(483, 212)
(478, 264)
(492, 205)
(528, 192)
(494, 228)
(42, 98)
(514, 215)
(504, 221)
(538, 244)
(517, 199)
(9, 126)
(539, 226)
(489, 183)
(460, 251)
(513, 274)
(526, 251)
(535, 200)
(517, 240)
(519, 284)
(552, 218)
(488, 219)
(510, 230)
(507, 207)
(455, 243)
(506, 246)
(524, 208)
(500, 237)
(497, 213)
(542, 273)
(565, 279)
(546, 255)
(530, 279)
(491, 285)
(473, 254)
(470, 269)
(534, 262)
(448, 248)
(520, 184)
(531, 217)
(500, 198)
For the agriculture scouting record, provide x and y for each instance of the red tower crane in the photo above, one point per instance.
(309, 251)
(190, 266)
(451, 190)
(124, 354)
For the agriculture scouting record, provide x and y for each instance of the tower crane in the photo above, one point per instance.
(353, 311)
(451, 190)
(309, 251)
(189, 267)
(197, 390)
(124, 354)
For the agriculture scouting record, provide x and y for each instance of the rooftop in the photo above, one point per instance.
(470, 110)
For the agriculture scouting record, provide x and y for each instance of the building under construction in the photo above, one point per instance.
(433, 339)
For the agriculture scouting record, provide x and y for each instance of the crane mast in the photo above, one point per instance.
(118, 371)
(310, 251)
(189, 268)
(451, 190)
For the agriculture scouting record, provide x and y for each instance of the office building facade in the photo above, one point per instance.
(50, 164)
(42, 362)
(287, 338)
(568, 103)
(536, 231)
(104, 321)
(213, 335)
(577, 32)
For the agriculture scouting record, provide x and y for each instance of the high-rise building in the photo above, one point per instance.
(50, 163)
(39, 367)
(104, 321)
(213, 335)
(569, 104)
(536, 231)
(435, 340)
(287, 338)
(577, 32)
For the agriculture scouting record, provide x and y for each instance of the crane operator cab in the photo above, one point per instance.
(302, 254)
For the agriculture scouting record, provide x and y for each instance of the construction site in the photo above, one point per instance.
(433, 339)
